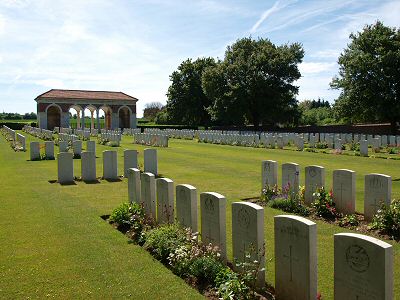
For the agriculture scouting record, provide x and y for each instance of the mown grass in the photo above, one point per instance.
(55, 243)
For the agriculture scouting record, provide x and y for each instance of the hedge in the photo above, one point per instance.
(16, 125)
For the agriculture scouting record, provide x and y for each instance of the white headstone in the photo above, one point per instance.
(290, 177)
(49, 149)
(186, 206)
(91, 146)
(344, 190)
(295, 258)
(148, 194)
(213, 220)
(363, 267)
(34, 150)
(130, 161)
(65, 166)
(248, 235)
(77, 148)
(63, 145)
(315, 178)
(165, 200)
(134, 185)
(377, 190)
(110, 165)
(88, 166)
(22, 141)
(269, 173)
(150, 161)
(363, 147)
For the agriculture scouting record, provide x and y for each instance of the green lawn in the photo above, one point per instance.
(54, 242)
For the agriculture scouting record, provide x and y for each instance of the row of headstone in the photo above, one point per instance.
(10, 133)
(114, 137)
(157, 198)
(377, 187)
(172, 133)
(149, 139)
(88, 165)
(40, 133)
(66, 130)
(363, 266)
(251, 140)
(67, 137)
(83, 134)
(131, 131)
(35, 150)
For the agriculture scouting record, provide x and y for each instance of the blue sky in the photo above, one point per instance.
(133, 46)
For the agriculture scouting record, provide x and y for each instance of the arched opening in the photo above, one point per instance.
(53, 117)
(124, 117)
(75, 116)
(90, 115)
(107, 117)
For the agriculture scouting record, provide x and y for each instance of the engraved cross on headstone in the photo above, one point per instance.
(341, 190)
(291, 259)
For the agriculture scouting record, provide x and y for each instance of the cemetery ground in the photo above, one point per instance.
(55, 244)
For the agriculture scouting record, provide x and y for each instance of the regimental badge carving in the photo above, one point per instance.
(312, 172)
(357, 258)
(209, 205)
(243, 218)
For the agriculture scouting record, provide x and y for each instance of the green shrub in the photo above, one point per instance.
(290, 202)
(163, 240)
(270, 193)
(321, 145)
(349, 221)
(354, 146)
(121, 215)
(231, 286)
(291, 205)
(241, 285)
(324, 205)
(206, 269)
(391, 150)
(387, 219)
(132, 218)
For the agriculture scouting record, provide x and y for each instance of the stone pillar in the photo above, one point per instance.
(78, 119)
(97, 120)
(83, 119)
(91, 119)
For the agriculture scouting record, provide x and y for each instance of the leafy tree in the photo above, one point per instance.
(187, 102)
(30, 116)
(369, 77)
(254, 83)
(151, 110)
(316, 112)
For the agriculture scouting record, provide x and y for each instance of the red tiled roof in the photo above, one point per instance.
(88, 95)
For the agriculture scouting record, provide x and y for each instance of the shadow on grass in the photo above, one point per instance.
(91, 181)
(112, 180)
(250, 198)
(105, 217)
(68, 183)
(79, 179)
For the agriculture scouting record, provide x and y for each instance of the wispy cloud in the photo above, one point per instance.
(265, 15)
(315, 67)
